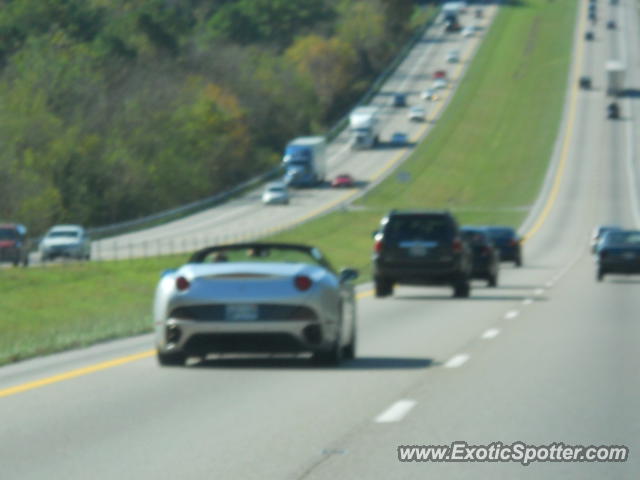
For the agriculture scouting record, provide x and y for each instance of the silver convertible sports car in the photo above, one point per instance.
(255, 297)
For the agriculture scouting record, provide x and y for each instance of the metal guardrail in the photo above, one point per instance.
(199, 205)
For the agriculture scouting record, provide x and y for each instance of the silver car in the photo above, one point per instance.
(68, 241)
(255, 298)
(275, 193)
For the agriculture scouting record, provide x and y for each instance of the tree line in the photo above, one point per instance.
(114, 109)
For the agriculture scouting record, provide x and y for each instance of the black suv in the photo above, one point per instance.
(14, 245)
(420, 248)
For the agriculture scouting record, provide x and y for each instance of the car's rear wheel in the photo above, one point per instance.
(173, 359)
(331, 357)
(492, 280)
(518, 261)
(349, 350)
(600, 275)
(462, 288)
(383, 287)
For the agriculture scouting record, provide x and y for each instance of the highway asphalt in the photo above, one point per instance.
(549, 356)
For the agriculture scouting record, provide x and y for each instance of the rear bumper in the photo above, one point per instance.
(202, 337)
(434, 274)
(509, 254)
(619, 266)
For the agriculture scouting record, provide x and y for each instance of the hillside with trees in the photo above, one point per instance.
(114, 109)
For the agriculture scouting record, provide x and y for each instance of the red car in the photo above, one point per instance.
(344, 180)
(440, 74)
(14, 244)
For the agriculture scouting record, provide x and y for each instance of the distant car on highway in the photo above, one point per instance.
(66, 241)
(585, 82)
(468, 31)
(439, 74)
(417, 113)
(453, 56)
(399, 100)
(14, 244)
(344, 180)
(619, 253)
(275, 193)
(589, 36)
(255, 297)
(611, 25)
(429, 94)
(420, 247)
(598, 234)
(485, 256)
(613, 111)
(507, 242)
(440, 84)
(399, 138)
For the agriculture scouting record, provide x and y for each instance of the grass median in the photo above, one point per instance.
(485, 159)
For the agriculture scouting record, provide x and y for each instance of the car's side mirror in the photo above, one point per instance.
(348, 274)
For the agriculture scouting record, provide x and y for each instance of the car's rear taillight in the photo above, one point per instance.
(377, 246)
(456, 246)
(302, 282)
(513, 242)
(182, 284)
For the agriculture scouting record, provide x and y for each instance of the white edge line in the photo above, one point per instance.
(396, 412)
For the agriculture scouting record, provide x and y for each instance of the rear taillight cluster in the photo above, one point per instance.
(302, 282)
(456, 246)
(182, 284)
(377, 246)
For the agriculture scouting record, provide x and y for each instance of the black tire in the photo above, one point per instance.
(25, 261)
(600, 275)
(173, 359)
(332, 357)
(16, 262)
(518, 262)
(383, 287)
(492, 280)
(349, 350)
(462, 288)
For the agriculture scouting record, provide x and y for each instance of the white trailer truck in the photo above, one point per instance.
(615, 77)
(364, 127)
(305, 162)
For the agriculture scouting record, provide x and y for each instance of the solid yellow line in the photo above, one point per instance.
(75, 373)
(566, 145)
(366, 293)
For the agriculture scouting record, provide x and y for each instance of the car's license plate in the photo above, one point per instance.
(241, 313)
(417, 250)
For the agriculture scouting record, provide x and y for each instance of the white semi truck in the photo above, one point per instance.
(615, 77)
(305, 161)
(364, 127)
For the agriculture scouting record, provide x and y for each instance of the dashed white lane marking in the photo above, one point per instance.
(539, 291)
(527, 301)
(457, 360)
(511, 314)
(396, 412)
(491, 333)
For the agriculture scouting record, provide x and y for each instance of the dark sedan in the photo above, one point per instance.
(508, 243)
(485, 256)
(619, 252)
